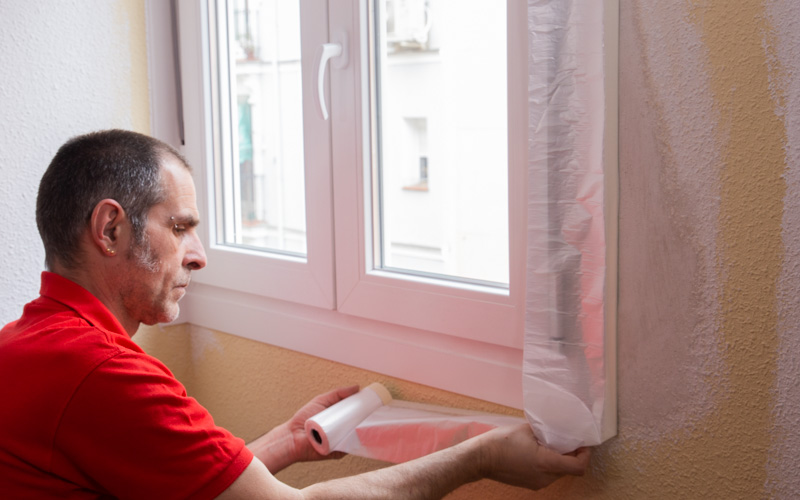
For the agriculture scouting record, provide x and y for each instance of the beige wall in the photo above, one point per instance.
(709, 256)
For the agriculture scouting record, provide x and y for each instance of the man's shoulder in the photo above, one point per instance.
(52, 342)
(45, 357)
(52, 328)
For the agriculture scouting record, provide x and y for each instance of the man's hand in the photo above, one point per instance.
(296, 425)
(513, 456)
(287, 443)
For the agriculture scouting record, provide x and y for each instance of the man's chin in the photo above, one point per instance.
(164, 317)
(172, 314)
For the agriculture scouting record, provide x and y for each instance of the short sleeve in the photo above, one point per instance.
(131, 430)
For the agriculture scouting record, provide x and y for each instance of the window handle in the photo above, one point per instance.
(326, 52)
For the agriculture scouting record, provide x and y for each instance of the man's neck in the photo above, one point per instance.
(93, 282)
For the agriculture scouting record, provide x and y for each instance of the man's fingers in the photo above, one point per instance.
(583, 455)
(344, 392)
(331, 397)
(574, 463)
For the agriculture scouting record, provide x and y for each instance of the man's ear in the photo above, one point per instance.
(106, 225)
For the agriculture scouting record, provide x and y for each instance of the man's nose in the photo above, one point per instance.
(195, 258)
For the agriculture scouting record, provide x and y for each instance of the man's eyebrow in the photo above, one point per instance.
(186, 220)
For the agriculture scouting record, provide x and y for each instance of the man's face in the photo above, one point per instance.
(158, 270)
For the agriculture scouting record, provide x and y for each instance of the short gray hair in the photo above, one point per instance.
(117, 164)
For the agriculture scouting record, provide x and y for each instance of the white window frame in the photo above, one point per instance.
(463, 339)
(478, 313)
(307, 280)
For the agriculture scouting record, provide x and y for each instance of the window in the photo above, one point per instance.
(439, 92)
(260, 125)
(397, 250)
(361, 174)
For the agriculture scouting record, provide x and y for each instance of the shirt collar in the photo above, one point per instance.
(74, 296)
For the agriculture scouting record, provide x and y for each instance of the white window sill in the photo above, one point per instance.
(476, 369)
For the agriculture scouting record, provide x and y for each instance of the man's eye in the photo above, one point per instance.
(179, 228)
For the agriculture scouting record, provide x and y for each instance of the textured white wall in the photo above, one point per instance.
(68, 67)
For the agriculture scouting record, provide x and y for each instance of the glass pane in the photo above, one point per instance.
(263, 194)
(440, 130)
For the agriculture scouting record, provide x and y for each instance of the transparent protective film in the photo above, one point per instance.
(563, 370)
(371, 424)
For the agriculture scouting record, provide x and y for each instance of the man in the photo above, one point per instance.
(87, 414)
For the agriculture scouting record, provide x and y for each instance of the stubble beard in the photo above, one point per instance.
(142, 255)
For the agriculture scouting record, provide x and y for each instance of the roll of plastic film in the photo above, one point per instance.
(326, 429)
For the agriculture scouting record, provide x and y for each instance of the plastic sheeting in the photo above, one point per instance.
(371, 424)
(563, 368)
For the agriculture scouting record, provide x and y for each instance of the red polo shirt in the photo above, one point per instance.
(85, 413)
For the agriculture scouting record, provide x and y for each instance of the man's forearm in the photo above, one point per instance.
(432, 476)
(276, 449)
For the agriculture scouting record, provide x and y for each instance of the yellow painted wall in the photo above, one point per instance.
(709, 270)
(137, 109)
